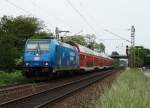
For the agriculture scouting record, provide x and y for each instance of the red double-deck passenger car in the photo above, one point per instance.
(90, 60)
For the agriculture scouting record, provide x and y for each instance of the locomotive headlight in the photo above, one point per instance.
(46, 63)
(27, 64)
(37, 54)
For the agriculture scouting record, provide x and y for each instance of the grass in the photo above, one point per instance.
(11, 78)
(130, 90)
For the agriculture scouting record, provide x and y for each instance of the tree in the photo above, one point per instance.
(140, 54)
(99, 47)
(90, 39)
(42, 35)
(13, 33)
(21, 28)
(76, 38)
(7, 52)
(92, 44)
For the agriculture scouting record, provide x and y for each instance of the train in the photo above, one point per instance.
(44, 58)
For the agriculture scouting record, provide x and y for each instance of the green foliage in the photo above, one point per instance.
(77, 38)
(21, 26)
(13, 33)
(140, 54)
(8, 52)
(9, 78)
(41, 35)
(99, 47)
(92, 44)
(90, 39)
(131, 90)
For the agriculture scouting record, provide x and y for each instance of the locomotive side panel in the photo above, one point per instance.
(66, 58)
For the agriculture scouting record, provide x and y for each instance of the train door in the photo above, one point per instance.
(82, 60)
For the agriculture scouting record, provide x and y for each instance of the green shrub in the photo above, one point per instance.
(11, 78)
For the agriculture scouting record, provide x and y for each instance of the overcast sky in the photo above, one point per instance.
(115, 15)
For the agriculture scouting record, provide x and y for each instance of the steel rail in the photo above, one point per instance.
(9, 93)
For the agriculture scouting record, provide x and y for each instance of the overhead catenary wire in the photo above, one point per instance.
(110, 39)
(81, 16)
(117, 35)
(106, 30)
(54, 16)
(13, 4)
(85, 10)
(24, 10)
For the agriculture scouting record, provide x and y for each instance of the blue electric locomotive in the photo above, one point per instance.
(44, 57)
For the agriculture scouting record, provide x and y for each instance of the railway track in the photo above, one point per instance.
(16, 91)
(51, 95)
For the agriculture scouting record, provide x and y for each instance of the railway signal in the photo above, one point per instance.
(127, 50)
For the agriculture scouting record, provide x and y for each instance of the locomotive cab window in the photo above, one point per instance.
(37, 45)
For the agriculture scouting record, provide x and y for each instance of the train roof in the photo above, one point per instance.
(67, 45)
(38, 39)
(86, 50)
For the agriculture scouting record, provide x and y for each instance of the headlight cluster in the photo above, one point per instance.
(40, 64)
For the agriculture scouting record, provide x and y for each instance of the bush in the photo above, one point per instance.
(9, 78)
(8, 53)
